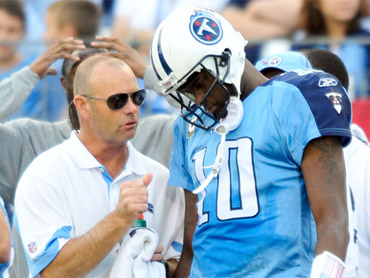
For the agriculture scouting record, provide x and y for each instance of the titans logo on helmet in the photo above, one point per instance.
(205, 28)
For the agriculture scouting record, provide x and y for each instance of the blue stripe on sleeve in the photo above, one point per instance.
(51, 250)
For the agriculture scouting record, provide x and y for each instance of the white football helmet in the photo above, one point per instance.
(189, 41)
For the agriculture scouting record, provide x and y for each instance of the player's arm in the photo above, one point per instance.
(283, 13)
(59, 50)
(261, 19)
(324, 173)
(80, 255)
(191, 219)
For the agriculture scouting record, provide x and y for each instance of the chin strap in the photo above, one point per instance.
(232, 121)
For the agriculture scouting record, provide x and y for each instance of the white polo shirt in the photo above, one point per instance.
(66, 191)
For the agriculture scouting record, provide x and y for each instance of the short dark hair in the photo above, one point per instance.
(14, 8)
(312, 19)
(82, 14)
(329, 62)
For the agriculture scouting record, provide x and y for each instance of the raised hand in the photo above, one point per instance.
(59, 49)
(133, 199)
(130, 56)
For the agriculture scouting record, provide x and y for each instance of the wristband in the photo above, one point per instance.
(327, 265)
(167, 268)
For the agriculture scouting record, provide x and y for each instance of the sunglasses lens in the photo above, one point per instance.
(116, 102)
(138, 97)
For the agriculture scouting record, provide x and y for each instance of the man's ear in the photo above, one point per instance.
(82, 106)
(64, 84)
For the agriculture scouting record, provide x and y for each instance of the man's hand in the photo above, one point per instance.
(133, 199)
(157, 256)
(60, 49)
(125, 52)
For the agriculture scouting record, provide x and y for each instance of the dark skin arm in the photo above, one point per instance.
(324, 173)
(191, 219)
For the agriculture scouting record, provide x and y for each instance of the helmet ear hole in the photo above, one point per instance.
(225, 57)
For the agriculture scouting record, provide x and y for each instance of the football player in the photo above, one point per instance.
(260, 161)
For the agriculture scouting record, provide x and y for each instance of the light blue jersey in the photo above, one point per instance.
(254, 218)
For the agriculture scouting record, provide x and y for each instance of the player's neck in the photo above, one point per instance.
(251, 79)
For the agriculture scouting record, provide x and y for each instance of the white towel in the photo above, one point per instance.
(133, 259)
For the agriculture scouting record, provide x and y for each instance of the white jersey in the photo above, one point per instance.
(66, 191)
(357, 158)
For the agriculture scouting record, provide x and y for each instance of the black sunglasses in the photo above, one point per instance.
(117, 101)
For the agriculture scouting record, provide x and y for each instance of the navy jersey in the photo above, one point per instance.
(254, 217)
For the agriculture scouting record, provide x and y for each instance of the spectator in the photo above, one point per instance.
(35, 20)
(96, 239)
(339, 23)
(64, 19)
(12, 60)
(248, 175)
(78, 19)
(27, 78)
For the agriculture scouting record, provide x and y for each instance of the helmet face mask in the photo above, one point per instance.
(215, 90)
(192, 42)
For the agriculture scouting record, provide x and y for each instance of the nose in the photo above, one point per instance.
(130, 107)
(199, 95)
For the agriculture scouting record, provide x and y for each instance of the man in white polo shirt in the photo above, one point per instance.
(77, 200)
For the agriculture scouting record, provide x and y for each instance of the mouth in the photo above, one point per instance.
(130, 125)
(212, 109)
